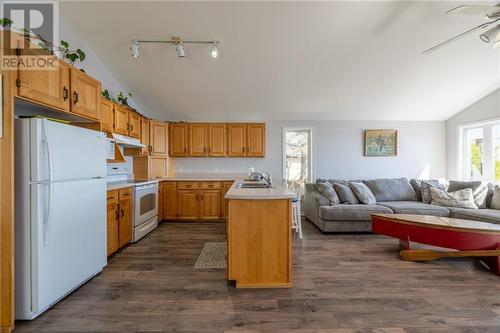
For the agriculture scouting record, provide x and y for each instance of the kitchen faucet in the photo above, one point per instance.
(266, 176)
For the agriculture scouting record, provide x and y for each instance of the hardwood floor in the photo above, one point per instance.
(342, 284)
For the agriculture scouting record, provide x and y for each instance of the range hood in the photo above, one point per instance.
(127, 141)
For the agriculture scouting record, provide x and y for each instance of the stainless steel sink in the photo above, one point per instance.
(252, 185)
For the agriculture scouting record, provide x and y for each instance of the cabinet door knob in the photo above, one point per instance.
(122, 212)
(75, 97)
(116, 215)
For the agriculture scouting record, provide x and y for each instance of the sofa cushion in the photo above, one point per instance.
(461, 198)
(426, 192)
(483, 215)
(345, 194)
(479, 189)
(495, 199)
(326, 189)
(391, 189)
(363, 193)
(415, 207)
(356, 212)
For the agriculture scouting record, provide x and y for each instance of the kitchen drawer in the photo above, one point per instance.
(125, 193)
(187, 185)
(210, 185)
(112, 195)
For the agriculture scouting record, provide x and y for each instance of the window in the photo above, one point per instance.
(297, 155)
(496, 149)
(481, 152)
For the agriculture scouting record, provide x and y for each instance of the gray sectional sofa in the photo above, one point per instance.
(396, 195)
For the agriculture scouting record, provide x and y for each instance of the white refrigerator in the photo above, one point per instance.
(60, 212)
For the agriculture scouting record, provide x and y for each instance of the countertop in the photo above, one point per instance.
(278, 191)
(204, 177)
(128, 183)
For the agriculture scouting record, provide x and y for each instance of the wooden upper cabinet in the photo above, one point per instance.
(256, 140)
(145, 135)
(107, 115)
(217, 140)
(49, 87)
(158, 138)
(134, 121)
(236, 140)
(85, 94)
(121, 120)
(198, 140)
(178, 139)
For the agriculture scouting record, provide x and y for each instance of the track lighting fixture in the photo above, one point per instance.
(490, 35)
(214, 52)
(179, 46)
(134, 49)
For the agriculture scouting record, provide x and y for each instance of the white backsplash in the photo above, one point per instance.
(121, 171)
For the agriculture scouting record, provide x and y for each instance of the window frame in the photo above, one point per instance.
(488, 150)
(311, 149)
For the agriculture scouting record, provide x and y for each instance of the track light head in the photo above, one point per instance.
(490, 35)
(179, 46)
(214, 52)
(135, 50)
(180, 50)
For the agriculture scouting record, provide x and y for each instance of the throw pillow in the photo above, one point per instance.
(495, 200)
(363, 193)
(326, 189)
(426, 185)
(345, 194)
(479, 188)
(417, 187)
(460, 199)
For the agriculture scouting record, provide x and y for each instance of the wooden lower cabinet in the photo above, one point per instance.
(119, 219)
(187, 204)
(169, 200)
(112, 222)
(196, 201)
(125, 226)
(210, 204)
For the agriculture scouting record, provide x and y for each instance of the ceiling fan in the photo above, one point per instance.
(490, 13)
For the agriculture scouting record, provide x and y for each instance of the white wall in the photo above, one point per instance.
(486, 108)
(338, 151)
(93, 65)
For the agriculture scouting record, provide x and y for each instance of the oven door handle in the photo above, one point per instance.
(145, 187)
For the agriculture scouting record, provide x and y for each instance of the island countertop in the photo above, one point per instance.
(278, 191)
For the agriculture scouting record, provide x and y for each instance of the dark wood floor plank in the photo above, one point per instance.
(348, 283)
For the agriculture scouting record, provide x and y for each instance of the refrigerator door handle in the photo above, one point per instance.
(48, 215)
(46, 138)
(48, 211)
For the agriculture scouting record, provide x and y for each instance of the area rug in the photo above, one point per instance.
(212, 256)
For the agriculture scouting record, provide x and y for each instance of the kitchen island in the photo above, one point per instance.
(259, 238)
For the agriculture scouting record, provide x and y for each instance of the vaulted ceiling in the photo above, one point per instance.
(292, 60)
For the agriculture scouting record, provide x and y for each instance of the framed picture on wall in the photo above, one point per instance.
(381, 142)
